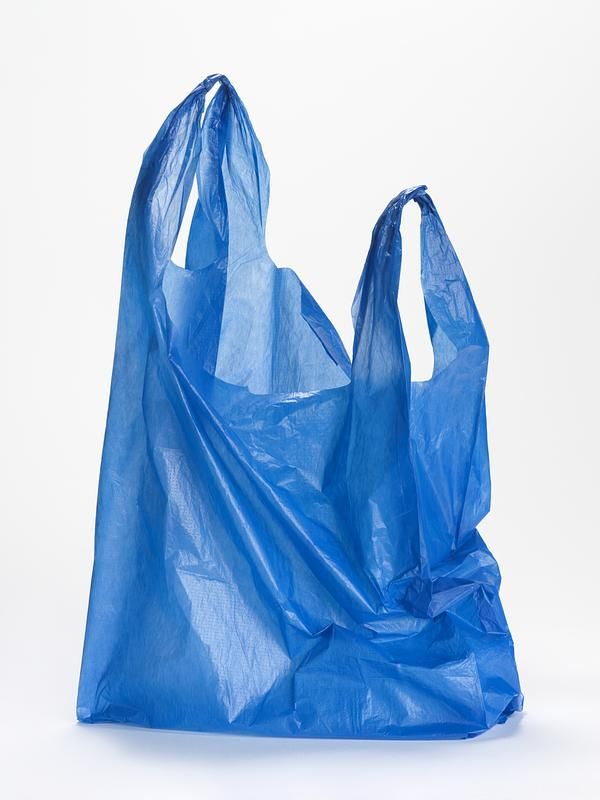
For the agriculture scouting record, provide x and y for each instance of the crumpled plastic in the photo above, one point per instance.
(286, 540)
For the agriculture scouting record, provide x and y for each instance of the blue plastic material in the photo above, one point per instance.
(286, 540)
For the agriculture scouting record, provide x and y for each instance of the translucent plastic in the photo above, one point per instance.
(286, 539)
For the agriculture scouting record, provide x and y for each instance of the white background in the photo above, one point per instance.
(495, 106)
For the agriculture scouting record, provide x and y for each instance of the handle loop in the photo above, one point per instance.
(235, 168)
(452, 316)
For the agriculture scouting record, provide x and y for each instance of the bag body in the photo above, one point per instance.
(286, 540)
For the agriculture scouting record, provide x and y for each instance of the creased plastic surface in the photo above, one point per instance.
(286, 540)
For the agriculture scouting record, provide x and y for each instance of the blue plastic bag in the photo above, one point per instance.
(286, 540)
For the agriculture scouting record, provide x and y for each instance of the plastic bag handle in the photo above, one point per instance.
(452, 316)
(166, 177)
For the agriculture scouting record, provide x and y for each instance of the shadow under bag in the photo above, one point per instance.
(286, 540)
